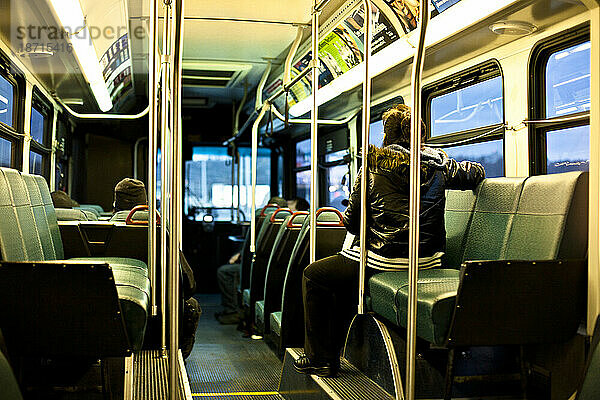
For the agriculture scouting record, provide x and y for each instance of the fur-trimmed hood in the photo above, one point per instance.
(397, 158)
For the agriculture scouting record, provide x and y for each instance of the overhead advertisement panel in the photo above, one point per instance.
(339, 51)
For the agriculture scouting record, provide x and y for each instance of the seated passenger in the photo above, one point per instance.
(129, 193)
(298, 204)
(228, 278)
(61, 199)
(330, 285)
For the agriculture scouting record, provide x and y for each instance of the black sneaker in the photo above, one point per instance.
(305, 366)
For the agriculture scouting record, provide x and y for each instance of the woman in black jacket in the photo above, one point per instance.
(330, 285)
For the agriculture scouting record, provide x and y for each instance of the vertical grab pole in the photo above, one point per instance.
(152, 148)
(415, 195)
(313, 134)
(366, 121)
(176, 198)
(239, 186)
(255, 126)
(164, 145)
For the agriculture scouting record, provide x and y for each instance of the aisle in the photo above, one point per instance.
(226, 366)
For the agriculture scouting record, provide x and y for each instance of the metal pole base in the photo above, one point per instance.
(369, 348)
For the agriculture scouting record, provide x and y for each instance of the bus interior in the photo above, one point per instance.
(221, 110)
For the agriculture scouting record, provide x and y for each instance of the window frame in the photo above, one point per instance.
(538, 61)
(14, 134)
(42, 105)
(479, 73)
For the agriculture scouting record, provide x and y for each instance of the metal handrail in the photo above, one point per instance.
(414, 200)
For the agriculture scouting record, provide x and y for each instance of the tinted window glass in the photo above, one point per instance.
(489, 154)
(335, 156)
(467, 108)
(568, 81)
(376, 133)
(303, 153)
(337, 186)
(37, 125)
(7, 97)
(35, 163)
(303, 185)
(5, 152)
(208, 182)
(568, 150)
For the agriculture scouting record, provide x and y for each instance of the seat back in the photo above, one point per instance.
(246, 255)
(50, 216)
(11, 242)
(457, 217)
(551, 220)
(39, 215)
(70, 214)
(25, 232)
(495, 207)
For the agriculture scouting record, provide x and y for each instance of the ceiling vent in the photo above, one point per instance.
(213, 75)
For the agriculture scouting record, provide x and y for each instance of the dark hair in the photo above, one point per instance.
(301, 203)
(396, 126)
(61, 199)
(280, 201)
(129, 193)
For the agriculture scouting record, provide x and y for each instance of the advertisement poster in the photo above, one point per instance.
(407, 12)
(116, 68)
(442, 5)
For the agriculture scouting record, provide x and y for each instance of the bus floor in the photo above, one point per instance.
(225, 366)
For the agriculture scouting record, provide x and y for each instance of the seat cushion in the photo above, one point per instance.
(118, 261)
(437, 290)
(276, 323)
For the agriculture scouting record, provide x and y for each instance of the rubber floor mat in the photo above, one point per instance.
(224, 365)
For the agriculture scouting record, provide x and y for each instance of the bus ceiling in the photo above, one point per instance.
(227, 46)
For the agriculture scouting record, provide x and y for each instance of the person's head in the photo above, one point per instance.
(298, 204)
(128, 194)
(396, 126)
(280, 201)
(61, 199)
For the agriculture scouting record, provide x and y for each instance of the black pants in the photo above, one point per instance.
(330, 292)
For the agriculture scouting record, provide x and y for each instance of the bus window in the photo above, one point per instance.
(568, 149)
(560, 87)
(465, 116)
(568, 81)
(337, 186)
(40, 129)
(208, 182)
(303, 153)
(471, 107)
(7, 95)
(488, 154)
(376, 133)
(5, 152)
(303, 184)
(35, 163)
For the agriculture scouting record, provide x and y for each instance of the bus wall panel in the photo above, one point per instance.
(108, 161)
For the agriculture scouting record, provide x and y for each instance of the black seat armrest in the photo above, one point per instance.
(518, 302)
(67, 308)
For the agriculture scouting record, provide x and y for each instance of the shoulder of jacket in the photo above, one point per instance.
(387, 159)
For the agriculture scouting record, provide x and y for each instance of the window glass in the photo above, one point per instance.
(467, 108)
(303, 153)
(303, 185)
(568, 150)
(37, 125)
(337, 186)
(208, 182)
(376, 133)
(35, 163)
(5, 152)
(336, 156)
(568, 81)
(489, 154)
(7, 97)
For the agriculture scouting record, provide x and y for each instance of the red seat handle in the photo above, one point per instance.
(262, 212)
(330, 210)
(278, 211)
(290, 223)
(129, 220)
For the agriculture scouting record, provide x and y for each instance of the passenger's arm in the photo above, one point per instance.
(463, 175)
(352, 213)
